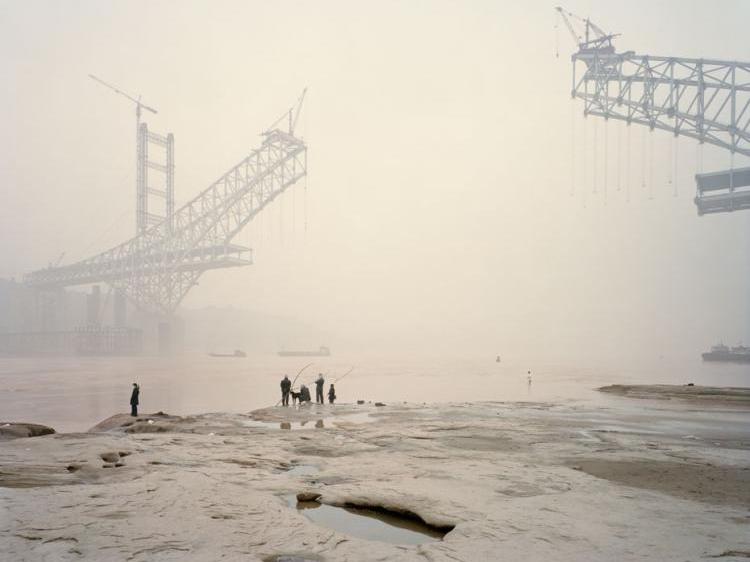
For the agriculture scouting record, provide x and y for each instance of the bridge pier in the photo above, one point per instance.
(171, 336)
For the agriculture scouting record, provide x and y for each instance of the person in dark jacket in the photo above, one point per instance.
(134, 400)
(331, 394)
(319, 389)
(304, 394)
(286, 386)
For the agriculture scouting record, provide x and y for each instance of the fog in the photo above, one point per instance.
(444, 211)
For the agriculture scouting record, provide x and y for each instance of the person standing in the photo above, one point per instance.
(134, 399)
(319, 389)
(286, 386)
(331, 394)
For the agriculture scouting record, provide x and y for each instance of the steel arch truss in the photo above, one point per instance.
(157, 268)
(708, 100)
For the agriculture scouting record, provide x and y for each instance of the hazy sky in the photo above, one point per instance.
(438, 206)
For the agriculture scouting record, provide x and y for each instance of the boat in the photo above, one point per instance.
(721, 352)
(235, 353)
(322, 351)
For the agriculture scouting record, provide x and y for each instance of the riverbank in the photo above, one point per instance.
(530, 481)
(709, 395)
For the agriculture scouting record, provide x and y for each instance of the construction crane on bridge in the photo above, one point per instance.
(704, 99)
(157, 268)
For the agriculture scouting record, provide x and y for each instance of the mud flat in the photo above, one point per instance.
(722, 396)
(494, 481)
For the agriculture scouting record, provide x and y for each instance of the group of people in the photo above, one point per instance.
(303, 396)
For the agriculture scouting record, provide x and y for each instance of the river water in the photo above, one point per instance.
(74, 393)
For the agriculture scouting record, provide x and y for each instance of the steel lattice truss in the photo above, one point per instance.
(157, 268)
(708, 100)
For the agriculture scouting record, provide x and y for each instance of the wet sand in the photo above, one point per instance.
(720, 396)
(528, 481)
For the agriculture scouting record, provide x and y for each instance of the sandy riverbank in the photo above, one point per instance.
(515, 481)
(720, 396)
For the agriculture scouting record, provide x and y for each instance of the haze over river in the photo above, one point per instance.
(73, 393)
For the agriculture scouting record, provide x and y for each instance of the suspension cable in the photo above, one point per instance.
(606, 157)
(595, 152)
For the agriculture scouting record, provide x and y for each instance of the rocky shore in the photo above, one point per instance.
(510, 481)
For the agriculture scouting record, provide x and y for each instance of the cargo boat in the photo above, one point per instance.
(721, 352)
(322, 351)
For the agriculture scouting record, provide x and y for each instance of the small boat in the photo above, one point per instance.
(322, 351)
(235, 353)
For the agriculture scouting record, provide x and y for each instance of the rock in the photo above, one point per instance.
(379, 404)
(123, 453)
(110, 457)
(308, 496)
(14, 430)
(145, 427)
(73, 467)
(360, 402)
(293, 558)
(108, 465)
(285, 425)
(119, 464)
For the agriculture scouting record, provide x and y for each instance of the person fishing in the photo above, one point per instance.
(286, 386)
(331, 394)
(319, 389)
(304, 395)
(295, 395)
(134, 400)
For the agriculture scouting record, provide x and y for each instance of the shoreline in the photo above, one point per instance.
(536, 478)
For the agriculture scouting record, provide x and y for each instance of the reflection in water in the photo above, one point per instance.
(368, 524)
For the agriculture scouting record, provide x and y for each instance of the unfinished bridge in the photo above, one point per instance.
(156, 268)
(703, 99)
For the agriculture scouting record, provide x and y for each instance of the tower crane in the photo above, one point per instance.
(138, 104)
(704, 99)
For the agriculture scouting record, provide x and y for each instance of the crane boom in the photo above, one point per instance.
(138, 102)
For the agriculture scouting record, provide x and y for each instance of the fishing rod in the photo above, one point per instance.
(295, 379)
(342, 376)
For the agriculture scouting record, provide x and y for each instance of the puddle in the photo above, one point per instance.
(303, 470)
(369, 524)
(360, 417)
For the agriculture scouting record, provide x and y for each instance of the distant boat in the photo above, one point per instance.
(322, 351)
(721, 352)
(235, 353)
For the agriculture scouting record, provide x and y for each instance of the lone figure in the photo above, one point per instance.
(331, 394)
(286, 386)
(319, 389)
(134, 400)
